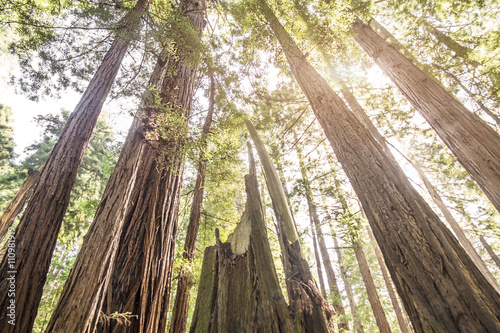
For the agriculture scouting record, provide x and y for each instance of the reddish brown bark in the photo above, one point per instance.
(181, 303)
(475, 144)
(439, 284)
(17, 203)
(132, 272)
(37, 232)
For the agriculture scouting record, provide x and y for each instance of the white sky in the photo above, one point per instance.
(26, 132)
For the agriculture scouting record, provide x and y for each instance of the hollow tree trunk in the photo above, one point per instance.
(440, 286)
(137, 216)
(474, 143)
(388, 284)
(330, 274)
(37, 232)
(239, 289)
(309, 309)
(371, 290)
(17, 203)
(181, 303)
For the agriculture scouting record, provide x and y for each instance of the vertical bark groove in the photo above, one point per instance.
(475, 144)
(137, 216)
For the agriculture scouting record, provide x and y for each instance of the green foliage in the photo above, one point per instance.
(96, 167)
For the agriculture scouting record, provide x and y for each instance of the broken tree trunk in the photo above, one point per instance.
(309, 309)
(239, 289)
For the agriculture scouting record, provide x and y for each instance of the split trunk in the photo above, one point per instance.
(239, 289)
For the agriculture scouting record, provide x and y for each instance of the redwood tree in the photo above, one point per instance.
(473, 142)
(440, 286)
(181, 303)
(137, 216)
(37, 232)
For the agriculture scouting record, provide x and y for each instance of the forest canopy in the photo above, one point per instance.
(309, 166)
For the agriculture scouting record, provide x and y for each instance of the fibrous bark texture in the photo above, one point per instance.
(127, 256)
(37, 232)
(439, 284)
(181, 303)
(239, 289)
(475, 144)
(17, 204)
(309, 309)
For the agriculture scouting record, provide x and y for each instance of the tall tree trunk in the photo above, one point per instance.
(137, 216)
(464, 241)
(181, 303)
(309, 309)
(474, 143)
(490, 251)
(37, 232)
(371, 290)
(446, 40)
(388, 284)
(318, 260)
(239, 289)
(17, 203)
(330, 273)
(348, 288)
(385, 34)
(440, 286)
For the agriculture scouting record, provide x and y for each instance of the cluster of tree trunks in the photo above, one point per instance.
(439, 284)
(122, 276)
(42, 218)
(125, 264)
(474, 143)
